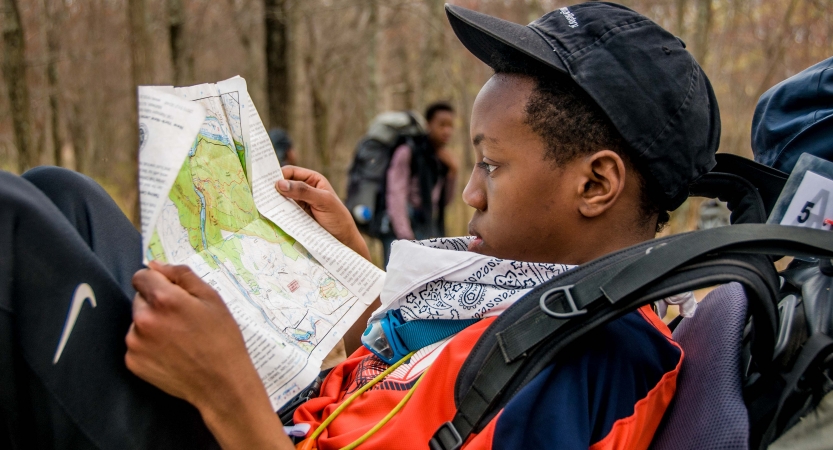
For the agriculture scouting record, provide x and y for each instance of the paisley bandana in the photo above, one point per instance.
(440, 279)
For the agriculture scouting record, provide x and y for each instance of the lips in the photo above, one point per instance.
(477, 242)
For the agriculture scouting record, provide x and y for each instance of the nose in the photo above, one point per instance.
(474, 195)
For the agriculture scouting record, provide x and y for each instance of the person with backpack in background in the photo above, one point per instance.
(420, 181)
(283, 146)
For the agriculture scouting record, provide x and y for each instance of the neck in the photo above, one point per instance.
(598, 242)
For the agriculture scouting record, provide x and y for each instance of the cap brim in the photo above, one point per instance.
(486, 37)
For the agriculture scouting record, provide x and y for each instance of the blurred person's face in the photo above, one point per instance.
(526, 208)
(291, 157)
(440, 128)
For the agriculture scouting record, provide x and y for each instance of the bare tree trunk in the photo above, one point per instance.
(83, 118)
(52, 79)
(14, 70)
(277, 63)
(80, 146)
(407, 90)
(704, 29)
(180, 55)
(680, 26)
(433, 85)
(775, 49)
(374, 28)
(320, 111)
(254, 79)
(321, 125)
(142, 74)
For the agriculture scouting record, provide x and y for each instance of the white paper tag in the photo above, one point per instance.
(812, 204)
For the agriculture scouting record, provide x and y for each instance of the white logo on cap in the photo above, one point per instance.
(571, 19)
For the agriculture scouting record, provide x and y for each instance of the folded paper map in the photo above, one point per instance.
(207, 174)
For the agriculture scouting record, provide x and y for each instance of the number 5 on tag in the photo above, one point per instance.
(811, 206)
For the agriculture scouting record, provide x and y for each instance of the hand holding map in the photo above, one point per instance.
(293, 289)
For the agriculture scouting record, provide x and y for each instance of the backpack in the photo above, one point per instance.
(782, 369)
(366, 180)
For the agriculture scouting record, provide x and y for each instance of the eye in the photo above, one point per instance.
(489, 168)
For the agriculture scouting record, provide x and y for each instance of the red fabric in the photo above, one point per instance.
(430, 406)
(433, 402)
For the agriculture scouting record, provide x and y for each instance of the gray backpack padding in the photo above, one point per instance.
(708, 409)
(813, 432)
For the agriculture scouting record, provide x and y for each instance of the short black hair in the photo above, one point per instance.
(572, 124)
(436, 107)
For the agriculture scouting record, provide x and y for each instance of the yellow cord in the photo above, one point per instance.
(314, 436)
(385, 420)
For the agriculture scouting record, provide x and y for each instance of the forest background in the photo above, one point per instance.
(324, 68)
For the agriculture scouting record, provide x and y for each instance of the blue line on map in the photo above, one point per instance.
(217, 260)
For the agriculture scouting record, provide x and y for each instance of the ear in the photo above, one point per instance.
(604, 180)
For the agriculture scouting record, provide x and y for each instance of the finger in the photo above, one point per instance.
(131, 341)
(319, 199)
(185, 278)
(142, 316)
(311, 177)
(140, 305)
(158, 290)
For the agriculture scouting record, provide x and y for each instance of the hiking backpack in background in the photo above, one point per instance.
(367, 178)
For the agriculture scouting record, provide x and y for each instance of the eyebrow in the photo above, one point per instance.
(481, 137)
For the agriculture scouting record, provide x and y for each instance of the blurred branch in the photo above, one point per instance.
(182, 59)
(277, 62)
(775, 47)
(240, 25)
(704, 30)
(142, 74)
(52, 46)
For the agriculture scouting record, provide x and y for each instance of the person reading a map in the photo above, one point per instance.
(590, 130)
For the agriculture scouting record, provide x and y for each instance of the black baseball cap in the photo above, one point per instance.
(642, 77)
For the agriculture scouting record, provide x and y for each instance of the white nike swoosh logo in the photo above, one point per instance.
(82, 292)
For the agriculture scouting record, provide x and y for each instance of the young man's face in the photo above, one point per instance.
(440, 128)
(526, 208)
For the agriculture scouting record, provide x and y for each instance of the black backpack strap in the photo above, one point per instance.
(750, 189)
(767, 181)
(741, 196)
(523, 340)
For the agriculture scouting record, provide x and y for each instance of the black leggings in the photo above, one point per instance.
(61, 237)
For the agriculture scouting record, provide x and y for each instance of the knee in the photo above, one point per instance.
(59, 183)
(17, 193)
(50, 177)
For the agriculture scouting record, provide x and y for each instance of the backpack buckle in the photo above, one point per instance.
(573, 312)
(446, 438)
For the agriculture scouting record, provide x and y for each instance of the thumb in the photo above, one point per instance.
(185, 278)
(319, 199)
